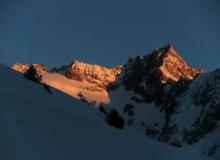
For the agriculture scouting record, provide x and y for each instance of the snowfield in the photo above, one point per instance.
(73, 88)
(35, 125)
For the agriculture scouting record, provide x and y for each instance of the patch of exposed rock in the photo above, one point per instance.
(23, 68)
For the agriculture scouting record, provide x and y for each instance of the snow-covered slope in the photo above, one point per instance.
(41, 126)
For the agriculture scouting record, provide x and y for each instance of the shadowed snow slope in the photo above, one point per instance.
(36, 125)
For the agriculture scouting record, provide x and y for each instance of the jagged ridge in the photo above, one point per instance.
(101, 76)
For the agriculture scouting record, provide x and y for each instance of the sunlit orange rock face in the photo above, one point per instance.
(20, 67)
(159, 67)
(172, 66)
(40, 69)
(101, 76)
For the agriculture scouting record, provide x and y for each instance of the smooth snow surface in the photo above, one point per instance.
(35, 125)
(73, 88)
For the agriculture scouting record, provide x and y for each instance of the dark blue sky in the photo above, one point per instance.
(54, 32)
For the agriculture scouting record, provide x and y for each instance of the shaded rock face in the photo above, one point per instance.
(61, 70)
(101, 76)
(23, 68)
(206, 94)
(201, 94)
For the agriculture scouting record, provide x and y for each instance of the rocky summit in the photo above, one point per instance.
(162, 65)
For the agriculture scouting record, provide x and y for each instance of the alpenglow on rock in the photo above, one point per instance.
(23, 68)
(101, 76)
(162, 65)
